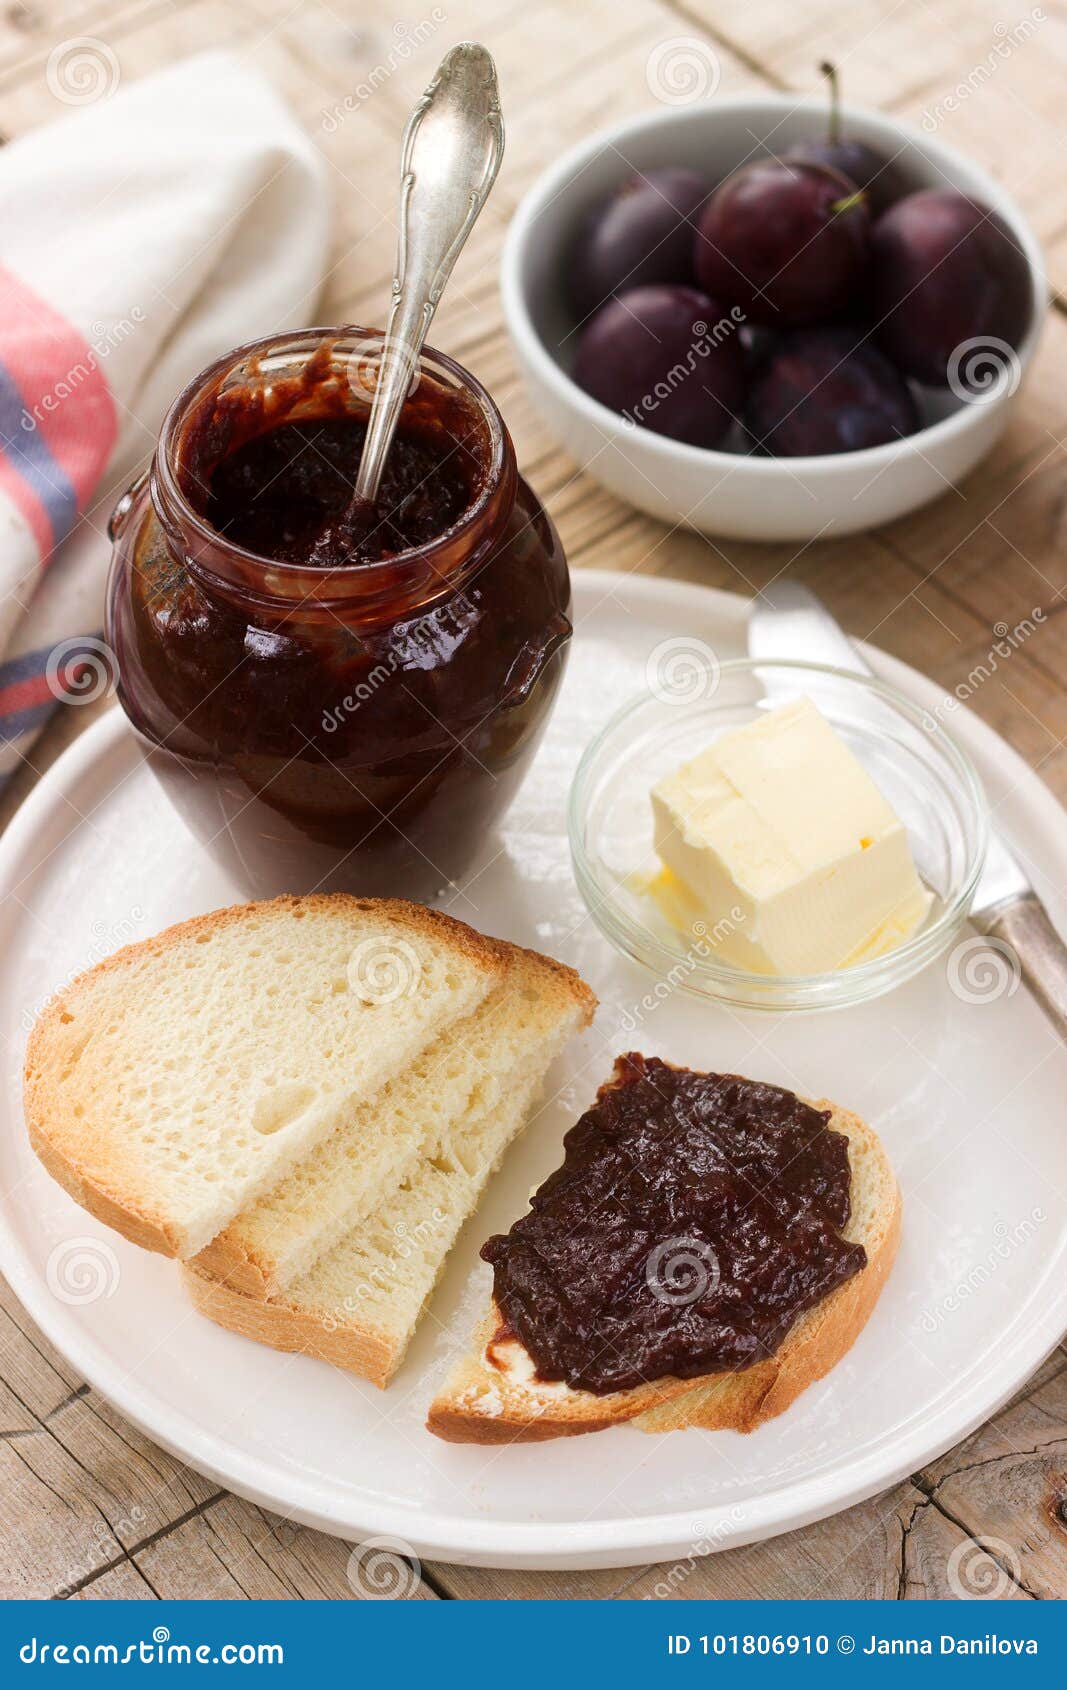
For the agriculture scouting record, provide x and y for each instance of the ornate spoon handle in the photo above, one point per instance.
(453, 145)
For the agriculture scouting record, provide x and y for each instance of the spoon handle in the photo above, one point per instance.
(453, 145)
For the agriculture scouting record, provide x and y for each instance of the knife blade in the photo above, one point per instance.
(789, 621)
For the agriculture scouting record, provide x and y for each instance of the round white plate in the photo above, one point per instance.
(958, 1071)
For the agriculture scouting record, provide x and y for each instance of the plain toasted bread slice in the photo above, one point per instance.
(461, 1075)
(494, 1397)
(169, 1086)
(358, 1305)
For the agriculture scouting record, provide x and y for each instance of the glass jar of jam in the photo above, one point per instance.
(336, 698)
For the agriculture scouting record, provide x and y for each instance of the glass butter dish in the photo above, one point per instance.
(648, 914)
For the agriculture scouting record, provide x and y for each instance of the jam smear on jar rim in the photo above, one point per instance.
(693, 1218)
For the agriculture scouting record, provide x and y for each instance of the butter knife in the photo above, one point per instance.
(788, 621)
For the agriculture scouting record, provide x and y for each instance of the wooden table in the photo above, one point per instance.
(87, 1503)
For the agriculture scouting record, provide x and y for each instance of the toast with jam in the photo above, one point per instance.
(709, 1247)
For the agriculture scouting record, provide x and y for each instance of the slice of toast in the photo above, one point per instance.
(358, 1305)
(461, 1075)
(493, 1395)
(169, 1086)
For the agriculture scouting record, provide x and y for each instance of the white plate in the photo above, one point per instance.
(966, 1094)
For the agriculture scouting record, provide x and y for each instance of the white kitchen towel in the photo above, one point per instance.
(140, 238)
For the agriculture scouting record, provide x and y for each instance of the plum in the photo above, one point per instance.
(669, 358)
(787, 242)
(640, 235)
(948, 276)
(868, 168)
(826, 390)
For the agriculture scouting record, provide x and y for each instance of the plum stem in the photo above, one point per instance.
(833, 130)
(849, 202)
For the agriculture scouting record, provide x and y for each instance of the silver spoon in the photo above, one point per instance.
(453, 145)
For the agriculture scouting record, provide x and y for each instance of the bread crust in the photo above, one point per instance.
(56, 1136)
(140, 1225)
(242, 1268)
(367, 1350)
(533, 1413)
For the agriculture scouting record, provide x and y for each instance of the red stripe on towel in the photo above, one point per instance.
(23, 695)
(61, 381)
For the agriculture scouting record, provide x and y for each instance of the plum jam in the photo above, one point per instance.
(694, 1217)
(288, 495)
(336, 696)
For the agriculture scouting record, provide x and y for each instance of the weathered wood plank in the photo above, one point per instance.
(51, 1531)
(607, 51)
(232, 1550)
(32, 31)
(1007, 1486)
(121, 1583)
(941, 1563)
(36, 1377)
(80, 1484)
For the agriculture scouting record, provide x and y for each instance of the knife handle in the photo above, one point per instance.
(1024, 925)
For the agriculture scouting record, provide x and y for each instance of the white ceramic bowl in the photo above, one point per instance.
(724, 492)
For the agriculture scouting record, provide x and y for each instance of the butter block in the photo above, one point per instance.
(784, 844)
